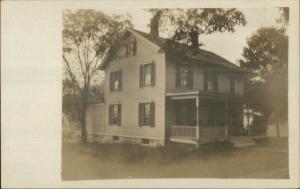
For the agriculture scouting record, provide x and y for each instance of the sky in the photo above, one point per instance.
(228, 45)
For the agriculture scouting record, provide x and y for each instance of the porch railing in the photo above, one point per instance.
(183, 131)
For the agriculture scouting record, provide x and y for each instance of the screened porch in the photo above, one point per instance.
(193, 118)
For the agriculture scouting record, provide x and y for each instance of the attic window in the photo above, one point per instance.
(131, 48)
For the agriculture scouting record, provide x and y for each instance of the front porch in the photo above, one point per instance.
(196, 118)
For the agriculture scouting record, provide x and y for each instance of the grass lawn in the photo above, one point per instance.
(113, 161)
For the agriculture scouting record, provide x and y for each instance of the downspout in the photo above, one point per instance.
(197, 117)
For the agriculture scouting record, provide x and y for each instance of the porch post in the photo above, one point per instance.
(197, 118)
(226, 118)
(248, 120)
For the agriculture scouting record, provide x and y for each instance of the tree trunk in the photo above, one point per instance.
(194, 35)
(83, 117)
(83, 128)
(277, 130)
(83, 133)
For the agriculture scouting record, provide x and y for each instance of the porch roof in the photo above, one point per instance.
(206, 95)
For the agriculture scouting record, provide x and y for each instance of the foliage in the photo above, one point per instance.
(190, 23)
(266, 60)
(87, 36)
(284, 16)
(266, 52)
(259, 125)
(69, 99)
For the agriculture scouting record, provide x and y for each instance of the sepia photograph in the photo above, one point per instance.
(150, 94)
(175, 93)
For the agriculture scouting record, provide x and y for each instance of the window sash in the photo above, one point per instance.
(184, 76)
(116, 81)
(115, 111)
(147, 110)
(131, 48)
(147, 75)
(147, 114)
(116, 85)
(115, 114)
(211, 83)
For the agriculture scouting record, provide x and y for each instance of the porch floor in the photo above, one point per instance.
(237, 141)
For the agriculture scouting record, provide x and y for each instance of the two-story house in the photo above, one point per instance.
(157, 90)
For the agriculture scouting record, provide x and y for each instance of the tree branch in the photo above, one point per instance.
(80, 61)
(95, 68)
(72, 76)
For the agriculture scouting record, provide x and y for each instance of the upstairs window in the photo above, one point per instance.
(116, 81)
(232, 84)
(115, 114)
(131, 48)
(211, 82)
(184, 76)
(147, 75)
(147, 114)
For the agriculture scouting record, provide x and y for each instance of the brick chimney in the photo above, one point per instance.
(154, 24)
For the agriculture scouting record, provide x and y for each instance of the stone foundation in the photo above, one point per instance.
(115, 139)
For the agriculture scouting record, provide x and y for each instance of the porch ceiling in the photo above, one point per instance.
(205, 95)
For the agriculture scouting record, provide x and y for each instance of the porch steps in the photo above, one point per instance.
(242, 141)
(183, 140)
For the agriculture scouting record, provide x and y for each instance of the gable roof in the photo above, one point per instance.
(178, 50)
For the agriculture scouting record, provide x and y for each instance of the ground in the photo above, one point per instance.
(268, 159)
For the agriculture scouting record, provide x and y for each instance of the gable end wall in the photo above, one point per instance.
(132, 94)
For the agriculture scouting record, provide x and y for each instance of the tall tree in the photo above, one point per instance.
(284, 16)
(87, 36)
(266, 60)
(190, 23)
(266, 52)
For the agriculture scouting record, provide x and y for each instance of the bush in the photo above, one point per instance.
(70, 129)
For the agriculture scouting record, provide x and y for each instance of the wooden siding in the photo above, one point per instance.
(95, 118)
(198, 80)
(131, 94)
